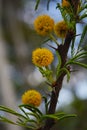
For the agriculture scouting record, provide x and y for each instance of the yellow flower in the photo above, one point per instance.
(32, 97)
(42, 57)
(44, 25)
(61, 29)
(65, 3)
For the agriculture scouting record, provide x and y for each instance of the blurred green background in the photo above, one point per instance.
(17, 73)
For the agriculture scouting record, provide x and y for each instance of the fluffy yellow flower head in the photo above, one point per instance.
(44, 25)
(65, 3)
(42, 57)
(32, 97)
(61, 29)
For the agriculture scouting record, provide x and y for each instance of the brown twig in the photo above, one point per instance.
(63, 50)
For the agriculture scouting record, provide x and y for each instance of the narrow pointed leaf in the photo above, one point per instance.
(83, 36)
(79, 63)
(4, 119)
(32, 108)
(37, 4)
(10, 111)
(59, 63)
(49, 116)
(68, 116)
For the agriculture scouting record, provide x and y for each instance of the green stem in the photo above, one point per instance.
(53, 38)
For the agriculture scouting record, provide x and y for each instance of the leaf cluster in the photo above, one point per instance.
(30, 116)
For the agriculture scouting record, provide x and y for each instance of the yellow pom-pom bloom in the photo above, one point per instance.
(44, 25)
(32, 97)
(61, 29)
(42, 57)
(65, 3)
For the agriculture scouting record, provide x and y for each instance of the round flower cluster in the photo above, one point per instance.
(61, 29)
(42, 57)
(32, 97)
(65, 3)
(44, 25)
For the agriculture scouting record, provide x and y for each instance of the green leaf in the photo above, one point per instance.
(32, 108)
(83, 16)
(46, 102)
(66, 71)
(58, 117)
(59, 114)
(29, 126)
(34, 115)
(37, 4)
(79, 63)
(48, 2)
(4, 119)
(82, 37)
(83, 7)
(10, 111)
(46, 72)
(49, 116)
(24, 112)
(46, 40)
(63, 12)
(59, 63)
(32, 121)
(79, 56)
(67, 116)
(53, 39)
(73, 40)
